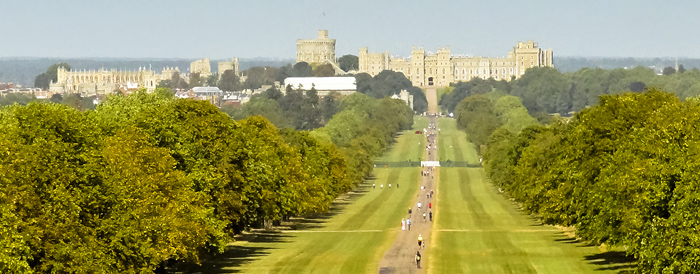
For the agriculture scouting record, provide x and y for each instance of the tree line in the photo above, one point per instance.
(623, 173)
(146, 180)
(546, 90)
(305, 110)
(296, 109)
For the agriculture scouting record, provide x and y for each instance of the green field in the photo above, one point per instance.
(411, 146)
(452, 143)
(349, 239)
(478, 230)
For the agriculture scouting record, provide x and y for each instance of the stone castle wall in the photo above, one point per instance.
(442, 68)
(316, 51)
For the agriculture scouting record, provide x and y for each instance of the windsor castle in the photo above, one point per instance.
(428, 69)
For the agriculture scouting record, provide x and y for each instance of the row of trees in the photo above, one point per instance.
(306, 110)
(388, 83)
(295, 109)
(148, 178)
(74, 100)
(482, 114)
(546, 90)
(364, 129)
(624, 172)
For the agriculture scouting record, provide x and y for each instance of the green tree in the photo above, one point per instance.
(195, 80)
(669, 71)
(325, 70)
(258, 76)
(476, 116)
(212, 80)
(176, 82)
(51, 75)
(266, 107)
(73, 100)
(229, 81)
(302, 69)
(56, 98)
(542, 89)
(349, 62)
(637, 86)
(19, 98)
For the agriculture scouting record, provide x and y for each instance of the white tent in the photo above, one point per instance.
(323, 85)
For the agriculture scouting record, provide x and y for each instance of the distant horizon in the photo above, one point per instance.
(293, 58)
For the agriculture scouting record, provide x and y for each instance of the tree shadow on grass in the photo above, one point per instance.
(318, 220)
(613, 260)
(606, 261)
(235, 256)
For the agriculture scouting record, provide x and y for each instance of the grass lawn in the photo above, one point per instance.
(349, 239)
(477, 230)
(411, 146)
(452, 143)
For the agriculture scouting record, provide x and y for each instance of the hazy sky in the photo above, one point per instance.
(257, 28)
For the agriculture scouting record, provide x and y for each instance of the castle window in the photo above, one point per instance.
(511, 70)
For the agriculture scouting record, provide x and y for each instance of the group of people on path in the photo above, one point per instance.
(428, 174)
(382, 186)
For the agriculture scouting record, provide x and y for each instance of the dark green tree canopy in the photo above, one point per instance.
(349, 62)
(51, 75)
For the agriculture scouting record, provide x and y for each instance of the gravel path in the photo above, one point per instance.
(400, 258)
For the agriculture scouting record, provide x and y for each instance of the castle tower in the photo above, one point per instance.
(444, 67)
(228, 65)
(418, 66)
(362, 59)
(316, 51)
(202, 66)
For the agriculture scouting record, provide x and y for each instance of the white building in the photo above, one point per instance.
(405, 96)
(323, 85)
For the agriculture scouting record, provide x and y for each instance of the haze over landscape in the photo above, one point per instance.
(248, 29)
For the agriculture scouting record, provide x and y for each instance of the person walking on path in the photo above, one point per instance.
(424, 217)
(431, 216)
(409, 212)
(430, 205)
(418, 259)
(420, 240)
(403, 224)
(418, 206)
(408, 223)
